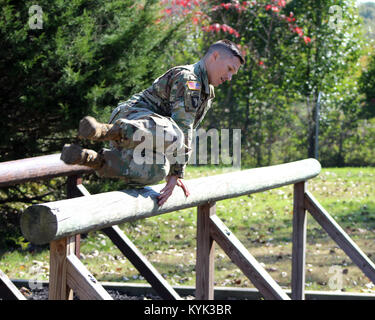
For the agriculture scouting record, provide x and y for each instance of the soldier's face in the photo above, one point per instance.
(221, 68)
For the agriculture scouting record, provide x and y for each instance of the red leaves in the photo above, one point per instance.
(307, 39)
(273, 8)
(226, 5)
(197, 8)
(168, 11)
(261, 64)
(276, 6)
(235, 5)
(216, 27)
(186, 5)
(294, 28)
(298, 31)
(182, 8)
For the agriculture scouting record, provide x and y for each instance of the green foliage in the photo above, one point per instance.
(257, 100)
(87, 56)
(329, 65)
(273, 97)
(359, 147)
(14, 199)
(92, 54)
(367, 87)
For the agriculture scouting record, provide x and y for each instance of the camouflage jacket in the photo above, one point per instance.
(184, 94)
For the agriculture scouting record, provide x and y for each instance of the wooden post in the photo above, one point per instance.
(59, 250)
(72, 191)
(205, 253)
(299, 242)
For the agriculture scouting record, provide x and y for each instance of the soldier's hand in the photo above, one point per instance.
(167, 191)
(181, 184)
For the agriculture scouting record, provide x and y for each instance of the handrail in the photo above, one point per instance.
(43, 223)
(37, 168)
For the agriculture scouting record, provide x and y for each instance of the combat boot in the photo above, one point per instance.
(74, 154)
(91, 129)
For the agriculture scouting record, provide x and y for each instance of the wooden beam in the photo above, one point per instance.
(204, 269)
(83, 190)
(223, 293)
(8, 291)
(59, 250)
(43, 223)
(299, 242)
(245, 261)
(37, 168)
(340, 236)
(83, 282)
(145, 268)
(72, 191)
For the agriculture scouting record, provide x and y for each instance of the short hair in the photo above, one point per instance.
(226, 46)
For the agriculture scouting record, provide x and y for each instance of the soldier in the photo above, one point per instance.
(151, 133)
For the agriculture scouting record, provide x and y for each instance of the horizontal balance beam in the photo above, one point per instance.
(37, 168)
(43, 223)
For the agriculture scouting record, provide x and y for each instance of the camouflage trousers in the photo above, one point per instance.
(141, 157)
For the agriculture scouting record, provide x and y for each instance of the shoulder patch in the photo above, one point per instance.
(193, 85)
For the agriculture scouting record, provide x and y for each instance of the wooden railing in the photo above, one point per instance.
(35, 169)
(58, 222)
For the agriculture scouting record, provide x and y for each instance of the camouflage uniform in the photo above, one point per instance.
(172, 107)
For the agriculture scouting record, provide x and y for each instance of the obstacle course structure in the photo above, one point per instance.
(59, 223)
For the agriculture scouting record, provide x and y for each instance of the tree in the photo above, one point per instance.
(61, 60)
(256, 100)
(295, 50)
(367, 87)
(86, 56)
(335, 30)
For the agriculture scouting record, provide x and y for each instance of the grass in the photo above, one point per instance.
(262, 222)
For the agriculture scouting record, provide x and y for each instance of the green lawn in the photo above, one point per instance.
(262, 222)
